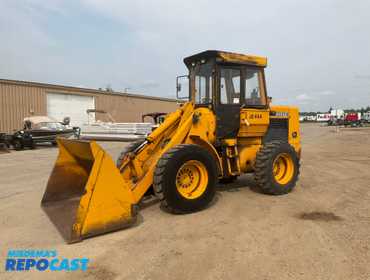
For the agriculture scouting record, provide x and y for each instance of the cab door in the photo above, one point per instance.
(255, 112)
(228, 104)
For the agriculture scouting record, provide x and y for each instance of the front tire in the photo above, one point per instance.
(185, 179)
(18, 145)
(277, 168)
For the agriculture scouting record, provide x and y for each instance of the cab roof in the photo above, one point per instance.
(228, 57)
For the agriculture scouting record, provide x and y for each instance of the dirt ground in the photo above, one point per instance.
(319, 231)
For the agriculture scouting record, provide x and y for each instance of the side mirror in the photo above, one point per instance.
(182, 87)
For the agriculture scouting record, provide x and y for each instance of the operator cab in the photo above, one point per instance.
(227, 82)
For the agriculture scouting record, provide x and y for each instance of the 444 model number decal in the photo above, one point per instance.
(255, 116)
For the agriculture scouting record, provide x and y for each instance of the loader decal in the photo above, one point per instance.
(255, 116)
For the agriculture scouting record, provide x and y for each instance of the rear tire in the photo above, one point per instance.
(185, 179)
(277, 168)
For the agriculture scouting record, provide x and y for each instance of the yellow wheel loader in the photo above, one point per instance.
(226, 128)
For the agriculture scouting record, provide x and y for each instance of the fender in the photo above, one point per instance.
(194, 139)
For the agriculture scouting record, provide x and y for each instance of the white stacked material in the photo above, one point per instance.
(115, 131)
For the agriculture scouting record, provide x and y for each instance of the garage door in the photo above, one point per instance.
(67, 105)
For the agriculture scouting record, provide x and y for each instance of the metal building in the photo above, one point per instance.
(20, 99)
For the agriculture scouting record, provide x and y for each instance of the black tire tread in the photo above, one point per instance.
(158, 177)
(262, 175)
(159, 172)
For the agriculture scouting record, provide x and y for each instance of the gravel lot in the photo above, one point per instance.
(319, 231)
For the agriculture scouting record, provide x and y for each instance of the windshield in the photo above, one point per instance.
(49, 125)
(201, 75)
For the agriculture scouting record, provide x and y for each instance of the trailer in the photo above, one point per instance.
(323, 117)
(366, 117)
(337, 113)
(352, 119)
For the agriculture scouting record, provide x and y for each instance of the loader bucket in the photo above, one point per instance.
(86, 194)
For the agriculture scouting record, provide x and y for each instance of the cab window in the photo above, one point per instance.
(203, 83)
(230, 86)
(254, 91)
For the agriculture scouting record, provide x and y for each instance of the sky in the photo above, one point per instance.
(318, 51)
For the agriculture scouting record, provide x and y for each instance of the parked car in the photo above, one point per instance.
(158, 118)
(41, 129)
(4, 142)
(21, 139)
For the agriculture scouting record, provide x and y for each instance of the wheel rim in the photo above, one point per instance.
(192, 179)
(283, 169)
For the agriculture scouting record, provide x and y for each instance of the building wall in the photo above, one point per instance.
(17, 102)
(20, 99)
(130, 109)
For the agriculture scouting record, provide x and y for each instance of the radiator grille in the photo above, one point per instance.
(278, 130)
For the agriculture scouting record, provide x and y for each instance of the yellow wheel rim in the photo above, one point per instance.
(283, 169)
(192, 179)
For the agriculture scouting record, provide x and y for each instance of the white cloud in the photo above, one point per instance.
(304, 97)
(325, 92)
(314, 95)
